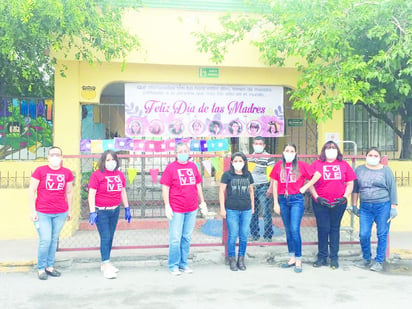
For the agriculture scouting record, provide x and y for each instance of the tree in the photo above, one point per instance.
(31, 31)
(349, 51)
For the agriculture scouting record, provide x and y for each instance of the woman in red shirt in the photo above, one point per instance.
(50, 198)
(107, 189)
(330, 195)
(289, 177)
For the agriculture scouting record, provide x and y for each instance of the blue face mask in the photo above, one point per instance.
(183, 157)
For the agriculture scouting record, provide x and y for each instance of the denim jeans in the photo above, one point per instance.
(328, 225)
(238, 222)
(378, 213)
(180, 235)
(106, 225)
(291, 210)
(49, 229)
(262, 204)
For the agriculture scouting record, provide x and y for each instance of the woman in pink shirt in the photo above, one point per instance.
(107, 189)
(330, 196)
(50, 198)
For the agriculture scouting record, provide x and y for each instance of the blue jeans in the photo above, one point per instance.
(291, 210)
(262, 204)
(49, 229)
(106, 225)
(378, 213)
(328, 225)
(238, 222)
(180, 235)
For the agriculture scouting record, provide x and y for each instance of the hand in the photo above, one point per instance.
(203, 209)
(69, 216)
(92, 218)
(276, 208)
(168, 211)
(394, 213)
(323, 202)
(338, 201)
(354, 210)
(34, 217)
(127, 214)
(223, 213)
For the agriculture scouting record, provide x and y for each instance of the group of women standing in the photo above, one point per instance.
(330, 180)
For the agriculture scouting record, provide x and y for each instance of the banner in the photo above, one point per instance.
(203, 110)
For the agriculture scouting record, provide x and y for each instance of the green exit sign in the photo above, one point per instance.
(208, 72)
(295, 122)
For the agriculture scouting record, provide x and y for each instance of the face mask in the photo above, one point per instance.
(55, 161)
(331, 154)
(110, 165)
(183, 157)
(238, 166)
(373, 161)
(289, 156)
(258, 148)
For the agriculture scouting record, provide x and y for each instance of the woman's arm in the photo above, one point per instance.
(125, 200)
(222, 190)
(34, 183)
(252, 198)
(200, 192)
(276, 206)
(69, 199)
(92, 200)
(310, 183)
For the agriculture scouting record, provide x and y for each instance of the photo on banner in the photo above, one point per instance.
(179, 110)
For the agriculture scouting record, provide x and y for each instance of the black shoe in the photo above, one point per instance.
(42, 276)
(232, 263)
(334, 264)
(53, 273)
(241, 263)
(320, 262)
(287, 265)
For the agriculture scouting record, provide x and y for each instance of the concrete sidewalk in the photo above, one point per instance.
(20, 255)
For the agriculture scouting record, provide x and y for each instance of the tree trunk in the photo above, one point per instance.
(406, 152)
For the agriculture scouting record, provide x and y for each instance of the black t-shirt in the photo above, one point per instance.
(238, 197)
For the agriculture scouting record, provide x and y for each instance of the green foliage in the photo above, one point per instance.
(30, 30)
(353, 51)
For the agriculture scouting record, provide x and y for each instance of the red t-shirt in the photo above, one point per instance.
(334, 175)
(182, 180)
(292, 181)
(51, 191)
(108, 186)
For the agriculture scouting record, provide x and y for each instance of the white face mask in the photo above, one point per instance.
(331, 154)
(373, 161)
(289, 156)
(55, 161)
(238, 166)
(258, 148)
(110, 165)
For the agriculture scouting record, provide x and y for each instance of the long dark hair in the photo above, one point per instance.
(322, 155)
(102, 160)
(245, 170)
(295, 166)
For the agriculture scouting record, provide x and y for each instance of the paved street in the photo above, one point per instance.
(210, 286)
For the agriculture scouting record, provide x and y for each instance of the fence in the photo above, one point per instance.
(149, 226)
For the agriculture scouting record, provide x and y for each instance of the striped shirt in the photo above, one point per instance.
(259, 172)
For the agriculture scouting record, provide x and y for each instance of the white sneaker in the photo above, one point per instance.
(186, 270)
(109, 266)
(108, 273)
(175, 272)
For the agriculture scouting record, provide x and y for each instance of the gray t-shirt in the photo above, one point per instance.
(259, 172)
(375, 186)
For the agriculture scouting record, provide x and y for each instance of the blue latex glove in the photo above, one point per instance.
(127, 214)
(394, 213)
(92, 218)
(355, 210)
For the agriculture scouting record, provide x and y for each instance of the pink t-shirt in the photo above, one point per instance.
(182, 180)
(108, 186)
(289, 180)
(334, 175)
(51, 191)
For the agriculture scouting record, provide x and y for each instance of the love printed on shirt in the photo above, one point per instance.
(186, 176)
(332, 172)
(55, 182)
(114, 183)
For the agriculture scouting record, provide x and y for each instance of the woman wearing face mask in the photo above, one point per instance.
(237, 208)
(330, 195)
(181, 192)
(376, 187)
(289, 177)
(50, 200)
(107, 189)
